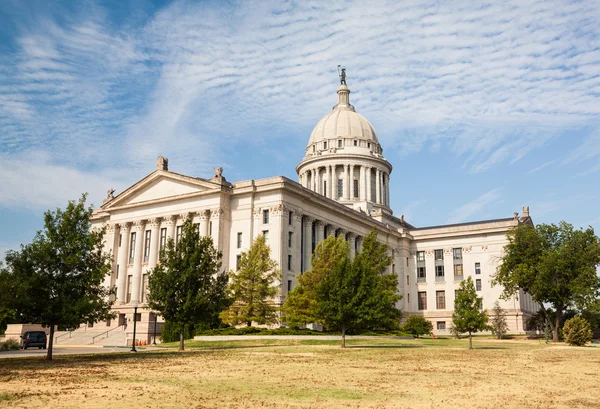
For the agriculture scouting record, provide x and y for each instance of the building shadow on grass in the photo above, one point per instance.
(385, 346)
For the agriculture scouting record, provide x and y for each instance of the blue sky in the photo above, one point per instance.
(481, 108)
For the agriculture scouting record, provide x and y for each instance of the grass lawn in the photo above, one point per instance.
(372, 373)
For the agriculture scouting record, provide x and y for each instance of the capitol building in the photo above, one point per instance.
(342, 189)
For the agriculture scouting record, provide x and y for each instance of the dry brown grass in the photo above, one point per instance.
(294, 374)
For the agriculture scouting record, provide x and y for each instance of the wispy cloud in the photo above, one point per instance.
(491, 81)
(468, 210)
(542, 166)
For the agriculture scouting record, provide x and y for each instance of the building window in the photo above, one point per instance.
(458, 271)
(163, 237)
(439, 255)
(373, 188)
(440, 300)
(408, 298)
(290, 218)
(439, 271)
(368, 144)
(120, 237)
(289, 285)
(340, 143)
(137, 317)
(266, 234)
(325, 145)
(457, 253)
(129, 279)
(314, 148)
(210, 228)
(238, 258)
(355, 143)
(441, 325)
(477, 268)
(265, 217)
(478, 284)
(422, 300)
(147, 246)
(421, 274)
(355, 192)
(289, 262)
(393, 269)
(239, 240)
(178, 235)
(324, 188)
(132, 248)
(407, 279)
(340, 189)
(290, 236)
(145, 288)
(420, 256)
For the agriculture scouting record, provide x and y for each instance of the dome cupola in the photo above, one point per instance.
(343, 159)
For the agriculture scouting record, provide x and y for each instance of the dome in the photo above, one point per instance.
(343, 122)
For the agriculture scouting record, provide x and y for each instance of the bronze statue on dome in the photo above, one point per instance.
(343, 77)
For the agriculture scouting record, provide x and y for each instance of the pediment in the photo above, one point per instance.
(160, 185)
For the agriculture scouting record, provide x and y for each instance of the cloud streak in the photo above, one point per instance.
(466, 211)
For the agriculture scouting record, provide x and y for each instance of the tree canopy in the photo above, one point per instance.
(555, 264)
(58, 278)
(186, 287)
(254, 287)
(417, 325)
(344, 294)
(467, 316)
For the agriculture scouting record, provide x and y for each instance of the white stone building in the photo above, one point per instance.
(343, 189)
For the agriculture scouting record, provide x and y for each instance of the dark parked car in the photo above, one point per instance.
(33, 339)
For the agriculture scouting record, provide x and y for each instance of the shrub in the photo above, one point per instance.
(9, 344)
(577, 331)
(417, 325)
(171, 332)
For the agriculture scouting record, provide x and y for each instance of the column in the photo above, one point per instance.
(297, 249)
(377, 186)
(352, 244)
(124, 229)
(331, 230)
(342, 232)
(204, 215)
(136, 282)
(216, 219)
(108, 248)
(332, 183)
(307, 241)
(154, 224)
(347, 193)
(328, 180)
(361, 183)
(387, 185)
(368, 187)
(320, 182)
(351, 182)
(320, 231)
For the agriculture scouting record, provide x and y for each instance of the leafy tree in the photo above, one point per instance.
(467, 317)
(498, 324)
(58, 278)
(254, 287)
(186, 288)
(356, 295)
(417, 325)
(577, 331)
(300, 306)
(556, 265)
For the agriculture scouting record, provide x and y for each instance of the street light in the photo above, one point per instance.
(135, 305)
(155, 319)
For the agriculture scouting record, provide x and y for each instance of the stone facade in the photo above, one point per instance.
(343, 189)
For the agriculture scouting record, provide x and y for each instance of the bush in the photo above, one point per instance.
(577, 331)
(417, 325)
(9, 344)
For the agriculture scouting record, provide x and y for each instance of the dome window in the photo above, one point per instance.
(355, 143)
(369, 145)
(314, 148)
(325, 145)
(340, 143)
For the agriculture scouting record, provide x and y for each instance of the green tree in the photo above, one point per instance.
(354, 295)
(467, 317)
(186, 287)
(556, 265)
(577, 331)
(254, 287)
(498, 324)
(300, 306)
(417, 325)
(58, 278)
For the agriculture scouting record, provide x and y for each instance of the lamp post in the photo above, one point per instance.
(135, 306)
(155, 319)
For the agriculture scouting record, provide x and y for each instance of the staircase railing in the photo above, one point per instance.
(106, 333)
(62, 335)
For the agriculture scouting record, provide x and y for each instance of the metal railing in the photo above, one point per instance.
(106, 333)
(62, 335)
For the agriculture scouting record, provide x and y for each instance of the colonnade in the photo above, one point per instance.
(373, 183)
(133, 255)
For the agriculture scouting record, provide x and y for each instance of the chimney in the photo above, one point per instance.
(525, 211)
(516, 215)
(162, 163)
